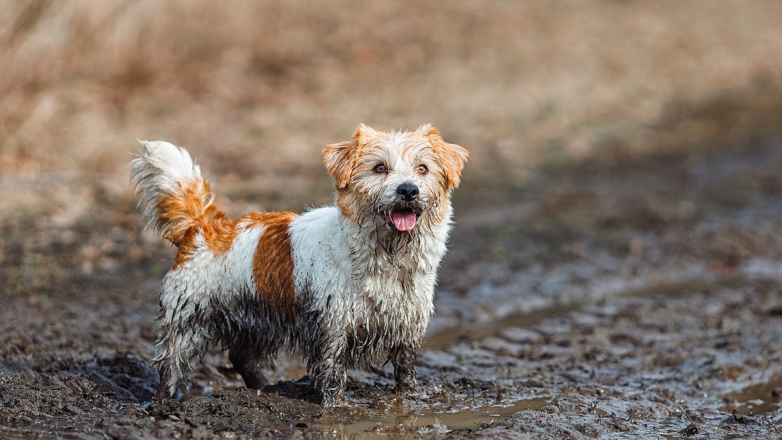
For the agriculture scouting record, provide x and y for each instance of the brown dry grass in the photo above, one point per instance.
(255, 89)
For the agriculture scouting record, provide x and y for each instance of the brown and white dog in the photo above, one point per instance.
(342, 284)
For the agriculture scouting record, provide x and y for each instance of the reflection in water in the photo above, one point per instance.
(756, 399)
(427, 422)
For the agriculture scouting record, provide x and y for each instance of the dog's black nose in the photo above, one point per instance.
(408, 191)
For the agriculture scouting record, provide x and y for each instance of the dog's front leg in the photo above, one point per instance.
(403, 357)
(330, 374)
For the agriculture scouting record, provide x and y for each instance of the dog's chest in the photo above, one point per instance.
(353, 286)
(388, 305)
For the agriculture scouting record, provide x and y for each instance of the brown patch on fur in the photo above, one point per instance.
(219, 234)
(273, 261)
(340, 162)
(341, 158)
(451, 157)
(192, 210)
(441, 195)
(345, 204)
(191, 206)
(187, 248)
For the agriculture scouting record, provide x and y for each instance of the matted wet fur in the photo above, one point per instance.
(347, 283)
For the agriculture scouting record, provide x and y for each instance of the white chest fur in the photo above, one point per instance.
(378, 300)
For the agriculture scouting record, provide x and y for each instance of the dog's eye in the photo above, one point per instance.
(380, 168)
(422, 169)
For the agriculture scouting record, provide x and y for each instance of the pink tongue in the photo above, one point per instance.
(403, 220)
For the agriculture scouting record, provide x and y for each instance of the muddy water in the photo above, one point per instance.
(430, 421)
(639, 301)
(756, 399)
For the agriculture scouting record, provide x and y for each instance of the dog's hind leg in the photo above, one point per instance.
(247, 363)
(174, 349)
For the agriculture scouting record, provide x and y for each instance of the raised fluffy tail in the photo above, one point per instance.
(174, 195)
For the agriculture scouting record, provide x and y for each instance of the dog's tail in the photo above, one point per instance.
(174, 195)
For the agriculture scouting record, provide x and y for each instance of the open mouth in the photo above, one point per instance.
(402, 219)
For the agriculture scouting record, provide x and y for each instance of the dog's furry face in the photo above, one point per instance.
(397, 182)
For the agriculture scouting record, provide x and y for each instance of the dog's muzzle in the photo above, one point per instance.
(402, 213)
(403, 217)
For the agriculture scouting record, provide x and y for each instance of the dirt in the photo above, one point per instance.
(625, 301)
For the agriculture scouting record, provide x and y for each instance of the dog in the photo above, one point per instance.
(343, 284)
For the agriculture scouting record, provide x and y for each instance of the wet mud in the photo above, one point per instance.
(635, 300)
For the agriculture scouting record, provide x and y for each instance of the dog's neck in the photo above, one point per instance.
(378, 248)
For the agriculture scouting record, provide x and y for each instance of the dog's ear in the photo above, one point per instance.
(341, 158)
(452, 157)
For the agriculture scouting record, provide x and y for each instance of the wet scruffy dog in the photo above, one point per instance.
(342, 284)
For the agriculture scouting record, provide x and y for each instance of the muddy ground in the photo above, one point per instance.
(640, 299)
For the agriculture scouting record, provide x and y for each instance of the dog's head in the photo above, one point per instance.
(402, 180)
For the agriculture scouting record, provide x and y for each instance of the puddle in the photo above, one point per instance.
(756, 399)
(425, 423)
(47, 427)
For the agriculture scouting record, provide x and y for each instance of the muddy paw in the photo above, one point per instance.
(407, 387)
(332, 402)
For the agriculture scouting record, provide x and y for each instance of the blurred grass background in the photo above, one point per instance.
(255, 89)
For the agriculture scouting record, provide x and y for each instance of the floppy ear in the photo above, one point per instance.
(452, 157)
(340, 158)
